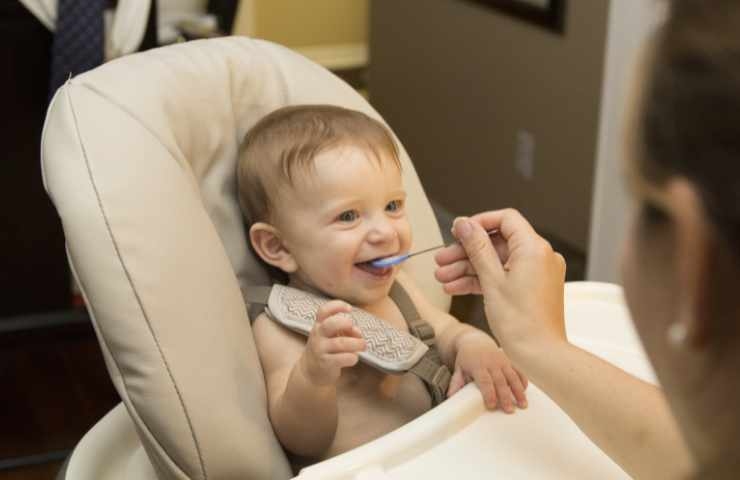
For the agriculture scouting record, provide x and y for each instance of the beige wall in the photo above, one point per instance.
(457, 81)
(297, 23)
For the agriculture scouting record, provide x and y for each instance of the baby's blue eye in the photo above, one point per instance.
(348, 216)
(394, 206)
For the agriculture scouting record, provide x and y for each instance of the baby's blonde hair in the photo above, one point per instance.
(288, 139)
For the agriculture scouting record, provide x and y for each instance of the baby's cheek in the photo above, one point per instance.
(406, 237)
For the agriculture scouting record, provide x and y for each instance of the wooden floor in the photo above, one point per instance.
(45, 471)
(54, 388)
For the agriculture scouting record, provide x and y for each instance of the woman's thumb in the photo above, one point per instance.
(479, 249)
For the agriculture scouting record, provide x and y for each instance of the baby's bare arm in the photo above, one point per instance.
(302, 376)
(447, 329)
(303, 416)
(471, 354)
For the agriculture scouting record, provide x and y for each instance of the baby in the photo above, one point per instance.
(321, 189)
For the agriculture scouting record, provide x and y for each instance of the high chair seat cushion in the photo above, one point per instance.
(139, 159)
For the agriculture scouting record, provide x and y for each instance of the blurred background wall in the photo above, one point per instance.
(298, 24)
(496, 112)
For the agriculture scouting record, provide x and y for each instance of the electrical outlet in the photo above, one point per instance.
(525, 150)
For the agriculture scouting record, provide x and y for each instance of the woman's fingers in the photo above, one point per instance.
(480, 251)
(453, 271)
(463, 286)
(455, 252)
(511, 225)
(450, 254)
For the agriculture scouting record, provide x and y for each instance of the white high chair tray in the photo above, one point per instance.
(459, 439)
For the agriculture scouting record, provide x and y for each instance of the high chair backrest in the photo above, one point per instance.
(139, 159)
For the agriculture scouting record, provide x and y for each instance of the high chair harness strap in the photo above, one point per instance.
(388, 348)
(431, 369)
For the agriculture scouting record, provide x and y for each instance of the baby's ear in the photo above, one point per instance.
(268, 244)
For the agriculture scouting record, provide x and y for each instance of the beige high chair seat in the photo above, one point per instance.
(139, 159)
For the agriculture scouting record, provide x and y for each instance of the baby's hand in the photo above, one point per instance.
(480, 359)
(333, 344)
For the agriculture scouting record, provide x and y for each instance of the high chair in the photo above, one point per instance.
(139, 159)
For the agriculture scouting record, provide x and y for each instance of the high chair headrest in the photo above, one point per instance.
(139, 159)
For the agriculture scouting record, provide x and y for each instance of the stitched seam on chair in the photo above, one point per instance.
(106, 347)
(130, 279)
(134, 117)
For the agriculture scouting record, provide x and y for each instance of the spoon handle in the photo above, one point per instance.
(489, 232)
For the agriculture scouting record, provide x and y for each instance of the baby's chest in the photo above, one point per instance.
(370, 384)
(389, 313)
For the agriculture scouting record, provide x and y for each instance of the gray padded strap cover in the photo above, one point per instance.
(295, 309)
(388, 348)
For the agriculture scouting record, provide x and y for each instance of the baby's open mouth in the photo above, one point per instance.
(376, 271)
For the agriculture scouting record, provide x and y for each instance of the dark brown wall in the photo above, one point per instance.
(33, 268)
(457, 80)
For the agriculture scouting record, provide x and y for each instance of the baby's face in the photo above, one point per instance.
(346, 212)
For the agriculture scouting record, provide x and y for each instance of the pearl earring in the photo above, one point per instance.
(677, 334)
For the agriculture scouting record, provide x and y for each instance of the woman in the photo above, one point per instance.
(680, 269)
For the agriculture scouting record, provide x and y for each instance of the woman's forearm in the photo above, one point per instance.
(305, 415)
(627, 418)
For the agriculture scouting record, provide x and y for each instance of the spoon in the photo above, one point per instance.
(395, 260)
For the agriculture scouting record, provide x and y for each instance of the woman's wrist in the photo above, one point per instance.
(536, 356)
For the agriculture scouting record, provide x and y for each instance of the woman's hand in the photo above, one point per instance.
(519, 275)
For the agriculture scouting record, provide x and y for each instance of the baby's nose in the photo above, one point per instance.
(382, 230)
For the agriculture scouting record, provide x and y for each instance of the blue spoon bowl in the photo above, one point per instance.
(389, 261)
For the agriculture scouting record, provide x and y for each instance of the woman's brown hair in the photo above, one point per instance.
(690, 122)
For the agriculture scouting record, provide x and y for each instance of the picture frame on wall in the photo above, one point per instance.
(548, 14)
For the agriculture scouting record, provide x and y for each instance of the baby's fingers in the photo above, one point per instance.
(487, 388)
(523, 378)
(343, 360)
(503, 391)
(332, 308)
(338, 345)
(337, 325)
(517, 387)
(456, 382)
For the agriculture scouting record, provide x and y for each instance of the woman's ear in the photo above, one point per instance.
(268, 244)
(696, 257)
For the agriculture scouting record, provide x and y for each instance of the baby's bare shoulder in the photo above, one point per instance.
(276, 345)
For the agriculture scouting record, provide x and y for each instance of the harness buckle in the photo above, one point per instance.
(424, 332)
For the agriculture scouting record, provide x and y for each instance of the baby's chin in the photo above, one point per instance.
(357, 293)
(363, 295)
